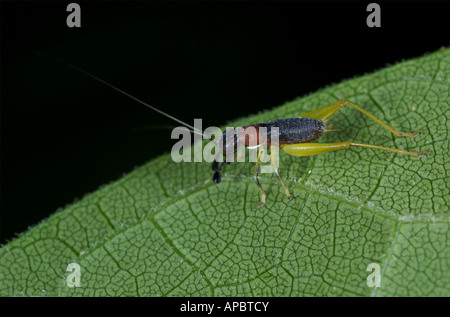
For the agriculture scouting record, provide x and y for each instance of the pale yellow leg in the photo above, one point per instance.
(256, 173)
(307, 149)
(325, 113)
(274, 161)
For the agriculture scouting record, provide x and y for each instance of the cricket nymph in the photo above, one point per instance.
(289, 131)
(293, 135)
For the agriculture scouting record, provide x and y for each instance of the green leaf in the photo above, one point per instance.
(166, 229)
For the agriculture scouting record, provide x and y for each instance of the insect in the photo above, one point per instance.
(295, 136)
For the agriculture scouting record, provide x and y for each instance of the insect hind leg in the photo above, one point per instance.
(308, 149)
(325, 113)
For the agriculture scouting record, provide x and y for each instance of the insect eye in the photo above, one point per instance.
(217, 177)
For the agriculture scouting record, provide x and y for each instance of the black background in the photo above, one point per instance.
(64, 135)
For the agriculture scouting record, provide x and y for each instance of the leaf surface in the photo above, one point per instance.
(166, 230)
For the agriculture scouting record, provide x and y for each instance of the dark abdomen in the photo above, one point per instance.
(295, 130)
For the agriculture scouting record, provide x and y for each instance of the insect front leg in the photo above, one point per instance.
(325, 113)
(308, 149)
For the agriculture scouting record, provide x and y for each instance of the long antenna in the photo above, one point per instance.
(191, 128)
